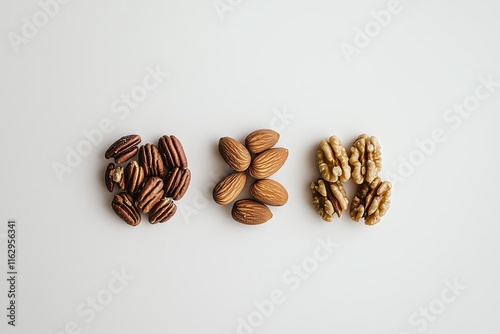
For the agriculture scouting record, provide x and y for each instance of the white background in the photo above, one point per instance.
(201, 270)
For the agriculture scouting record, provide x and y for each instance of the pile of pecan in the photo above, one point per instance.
(150, 185)
(362, 164)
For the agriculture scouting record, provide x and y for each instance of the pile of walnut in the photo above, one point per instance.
(362, 165)
(261, 159)
(151, 185)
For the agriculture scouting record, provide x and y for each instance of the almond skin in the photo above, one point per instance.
(268, 162)
(269, 192)
(250, 212)
(261, 140)
(229, 187)
(234, 153)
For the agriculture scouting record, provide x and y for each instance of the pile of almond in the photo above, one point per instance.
(259, 159)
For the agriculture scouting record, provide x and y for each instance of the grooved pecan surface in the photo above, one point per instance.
(172, 151)
(162, 211)
(123, 206)
(150, 159)
(123, 149)
(150, 194)
(177, 182)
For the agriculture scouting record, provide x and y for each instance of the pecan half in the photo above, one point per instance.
(150, 159)
(134, 177)
(123, 149)
(177, 182)
(114, 175)
(333, 162)
(329, 198)
(123, 207)
(162, 211)
(150, 194)
(371, 201)
(172, 151)
(366, 159)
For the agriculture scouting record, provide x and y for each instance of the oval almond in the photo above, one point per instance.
(229, 187)
(261, 140)
(250, 212)
(234, 153)
(269, 192)
(268, 162)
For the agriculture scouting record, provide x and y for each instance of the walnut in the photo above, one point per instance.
(366, 159)
(329, 198)
(333, 162)
(371, 201)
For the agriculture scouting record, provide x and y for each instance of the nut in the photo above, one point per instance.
(177, 182)
(229, 187)
(162, 211)
(366, 159)
(134, 177)
(123, 207)
(114, 175)
(268, 162)
(150, 159)
(371, 201)
(123, 149)
(333, 162)
(172, 151)
(261, 140)
(250, 212)
(269, 192)
(234, 153)
(329, 198)
(150, 194)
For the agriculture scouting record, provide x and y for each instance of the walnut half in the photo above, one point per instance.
(333, 162)
(371, 201)
(366, 159)
(329, 199)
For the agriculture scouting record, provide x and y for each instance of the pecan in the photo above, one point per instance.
(150, 159)
(134, 177)
(123, 149)
(332, 159)
(329, 198)
(371, 201)
(172, 151)
(162, 211)
(114, 175)
(177, 183)
(366, 159)
(123, 207)
(150, 194)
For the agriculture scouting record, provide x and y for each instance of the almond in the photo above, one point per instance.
(261, 140)
(227, 189)
(250, 212)
(269, 192)
(268, 162)
(234, 153)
